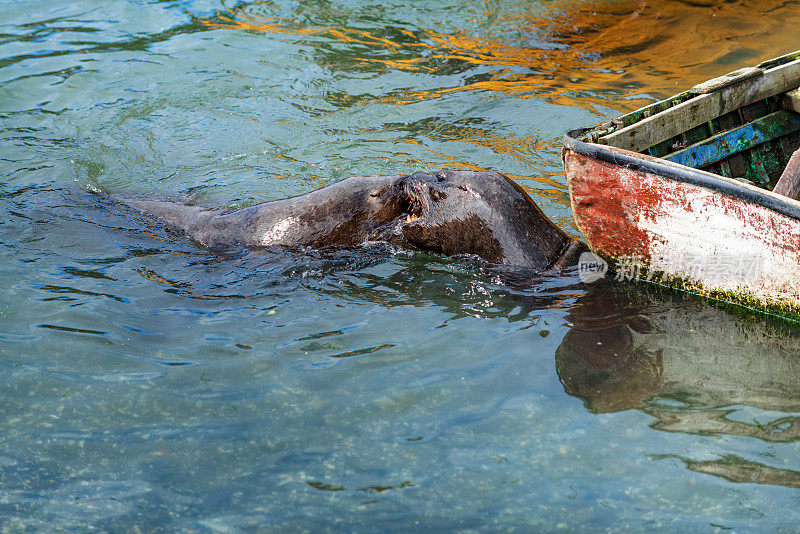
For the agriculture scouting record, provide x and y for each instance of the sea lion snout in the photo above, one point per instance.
(415, 195)
(425, 185)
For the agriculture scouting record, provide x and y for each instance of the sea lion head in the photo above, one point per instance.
(346, 213)
(479, 213)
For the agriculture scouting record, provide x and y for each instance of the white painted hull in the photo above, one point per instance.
(690, 236)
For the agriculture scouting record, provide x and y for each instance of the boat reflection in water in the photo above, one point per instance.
(694, 367)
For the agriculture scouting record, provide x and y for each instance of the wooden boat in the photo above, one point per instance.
(681, 192)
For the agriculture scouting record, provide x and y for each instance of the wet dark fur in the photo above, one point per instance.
(451, 212)
(485, 214)
(460, 236)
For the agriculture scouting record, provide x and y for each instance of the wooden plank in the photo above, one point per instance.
(783, 142)
(791, 100)
(789, 183)
(704, 108)
(724, 123)
(736, 162)
(721, 82)
(733, 141)
(760, 155)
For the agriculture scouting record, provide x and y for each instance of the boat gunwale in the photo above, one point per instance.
(681, 173)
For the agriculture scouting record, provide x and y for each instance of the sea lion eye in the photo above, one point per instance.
(440, 177)
(374, 194)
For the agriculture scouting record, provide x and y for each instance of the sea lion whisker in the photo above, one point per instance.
(417, 193)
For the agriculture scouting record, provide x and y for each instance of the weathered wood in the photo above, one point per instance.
(789, 183)
(731, 166)
(703, 108)
(761, 156)
(720, 82)
(733, 141)
(791, 100)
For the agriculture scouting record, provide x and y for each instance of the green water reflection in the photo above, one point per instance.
(148, 383)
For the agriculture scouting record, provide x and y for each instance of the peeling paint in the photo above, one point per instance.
(686, 236)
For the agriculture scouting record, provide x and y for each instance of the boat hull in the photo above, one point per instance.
(685, 228)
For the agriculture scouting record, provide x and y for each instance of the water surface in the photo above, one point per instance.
(148, 382)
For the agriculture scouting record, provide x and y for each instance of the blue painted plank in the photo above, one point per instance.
(742, 138)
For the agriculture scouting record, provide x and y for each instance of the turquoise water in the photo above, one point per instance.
(147, 383)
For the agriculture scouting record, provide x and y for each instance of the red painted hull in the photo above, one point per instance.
(687, 235)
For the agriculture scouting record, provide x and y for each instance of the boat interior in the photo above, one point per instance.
(743, 125)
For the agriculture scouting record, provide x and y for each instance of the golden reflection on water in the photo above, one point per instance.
(679, 42)
(528, 150)
(586, 54)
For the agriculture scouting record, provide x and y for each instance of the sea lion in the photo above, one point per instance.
(451, 212)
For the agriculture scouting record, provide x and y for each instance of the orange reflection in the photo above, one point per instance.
(239, 18)
(662, 47)
(586, 54)
(528, 150)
